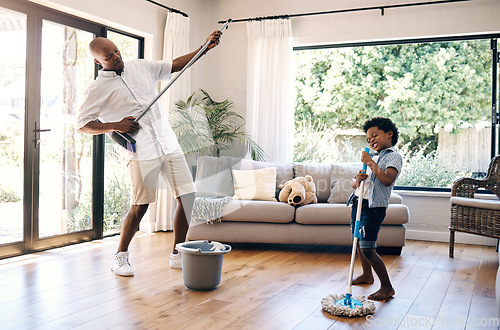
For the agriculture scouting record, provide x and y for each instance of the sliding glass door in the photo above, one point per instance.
(53, 178)
(65, 167)
(12, 110)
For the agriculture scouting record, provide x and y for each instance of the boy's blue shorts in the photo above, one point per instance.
(371, 220)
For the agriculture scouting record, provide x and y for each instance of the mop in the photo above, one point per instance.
(346, 305)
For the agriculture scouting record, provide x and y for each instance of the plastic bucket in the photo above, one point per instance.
(202, 263)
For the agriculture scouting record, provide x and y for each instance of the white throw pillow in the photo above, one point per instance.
(340, 181)
(255, 184)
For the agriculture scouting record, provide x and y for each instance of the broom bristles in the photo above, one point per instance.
(124, 140)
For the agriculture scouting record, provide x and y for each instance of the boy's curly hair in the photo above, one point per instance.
(384, 124)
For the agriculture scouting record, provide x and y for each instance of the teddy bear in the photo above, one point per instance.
(299, 191)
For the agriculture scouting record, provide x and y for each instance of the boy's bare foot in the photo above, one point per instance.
(363, 279)
(382, 294)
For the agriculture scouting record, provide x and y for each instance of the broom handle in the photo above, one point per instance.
(170, 83)
(356, 229)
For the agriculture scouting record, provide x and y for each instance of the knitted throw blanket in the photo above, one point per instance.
(209, 209)
(214, 185)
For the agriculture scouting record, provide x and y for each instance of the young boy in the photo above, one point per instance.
(383, 168)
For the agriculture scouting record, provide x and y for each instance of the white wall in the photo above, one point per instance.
(430, 218)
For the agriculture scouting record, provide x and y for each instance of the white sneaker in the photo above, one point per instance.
(175, 260)
(121, 266)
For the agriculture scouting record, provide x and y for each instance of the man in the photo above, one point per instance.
(116, 97)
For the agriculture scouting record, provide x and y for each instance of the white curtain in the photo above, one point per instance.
(269, 108)
(176, 43)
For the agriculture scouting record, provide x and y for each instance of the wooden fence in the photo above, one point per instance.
(469, 148)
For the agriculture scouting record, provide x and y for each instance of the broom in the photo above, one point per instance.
(128, 142)
(345, 305)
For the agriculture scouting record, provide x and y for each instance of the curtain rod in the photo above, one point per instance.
(381, 8)
(173, 10)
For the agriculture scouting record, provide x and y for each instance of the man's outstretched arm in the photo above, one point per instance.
(180, 62)
(126, 125)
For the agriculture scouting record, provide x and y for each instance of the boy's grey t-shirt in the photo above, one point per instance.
(378, 193)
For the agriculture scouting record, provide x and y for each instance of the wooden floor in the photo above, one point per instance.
(262, 287)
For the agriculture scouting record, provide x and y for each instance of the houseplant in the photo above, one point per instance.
(208, 127)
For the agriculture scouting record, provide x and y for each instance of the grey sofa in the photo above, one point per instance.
(256, 221)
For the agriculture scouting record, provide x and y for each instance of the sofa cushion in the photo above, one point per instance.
(489, 204)
(258, 211)
(284, 171)
(321, 177)
(340, 180)
(326, 214)
(255, 184)
(323, 213)
(395, 198)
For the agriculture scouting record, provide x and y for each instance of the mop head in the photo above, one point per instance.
(333, 305)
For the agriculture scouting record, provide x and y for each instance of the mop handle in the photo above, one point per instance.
(356, 231)
(360, 200)
(171, 82)
(351, 268)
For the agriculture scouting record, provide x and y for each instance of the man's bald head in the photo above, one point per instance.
(98, 43)
(106, 54)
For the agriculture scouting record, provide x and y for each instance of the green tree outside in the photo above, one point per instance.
(422, 87)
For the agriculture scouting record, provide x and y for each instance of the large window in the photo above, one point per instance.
(439, 94)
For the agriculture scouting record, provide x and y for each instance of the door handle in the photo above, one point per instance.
(37, 131)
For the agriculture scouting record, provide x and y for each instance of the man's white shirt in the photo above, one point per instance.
(112, 97)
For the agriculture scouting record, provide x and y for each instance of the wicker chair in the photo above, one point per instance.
(476, 216)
